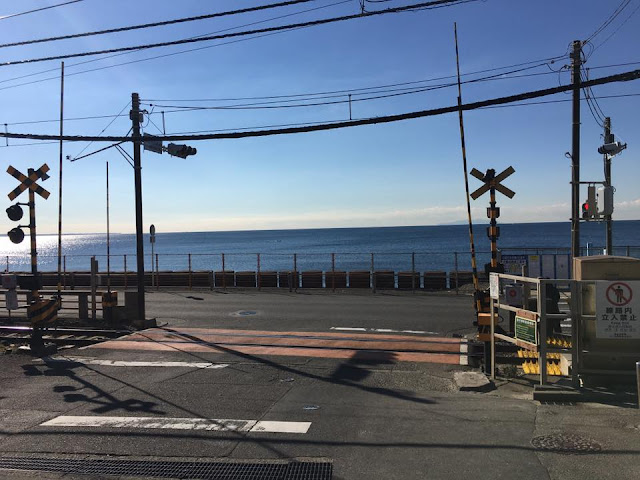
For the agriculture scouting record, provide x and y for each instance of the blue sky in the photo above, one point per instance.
(404, 173)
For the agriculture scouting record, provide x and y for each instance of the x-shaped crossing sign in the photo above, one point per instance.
(491, 180)
(29, 182)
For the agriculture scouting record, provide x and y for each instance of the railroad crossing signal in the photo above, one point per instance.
(491, 180)
(29, 182)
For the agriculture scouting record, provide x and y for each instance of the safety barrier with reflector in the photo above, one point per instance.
(43, 312)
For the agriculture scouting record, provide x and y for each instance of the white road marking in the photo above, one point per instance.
(129, 363)
(208, 424)
(382, 330)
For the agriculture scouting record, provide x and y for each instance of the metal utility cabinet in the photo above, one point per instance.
(609, 327)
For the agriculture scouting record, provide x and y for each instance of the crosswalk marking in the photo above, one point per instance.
(207, 424)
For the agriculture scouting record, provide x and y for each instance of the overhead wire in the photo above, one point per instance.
(279, 17)
(618, 28)
(103, 130)
(620, 77)
(619, 9)
(157, 24)
(424, 5)
(5, 17)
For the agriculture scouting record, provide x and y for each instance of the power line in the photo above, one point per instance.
(163, 55)
(39, 9)
(620, 77)
(424, 5)
(157, 24)
(624, 4)
(617, 29)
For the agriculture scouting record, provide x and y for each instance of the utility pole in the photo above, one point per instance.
(607, 181)
(135, 122)
(575, 150)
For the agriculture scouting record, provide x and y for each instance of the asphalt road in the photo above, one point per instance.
(372, 414)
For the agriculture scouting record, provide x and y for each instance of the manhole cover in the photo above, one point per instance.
(247, 313)
(565, 443)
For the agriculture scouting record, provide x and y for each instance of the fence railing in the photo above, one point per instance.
(398, 261)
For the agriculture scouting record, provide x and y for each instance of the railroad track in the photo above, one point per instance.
(17, 334)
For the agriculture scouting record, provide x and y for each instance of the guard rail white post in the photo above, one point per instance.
(542, 313)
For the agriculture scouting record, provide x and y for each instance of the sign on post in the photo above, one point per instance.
(618, 309)
(494, 286)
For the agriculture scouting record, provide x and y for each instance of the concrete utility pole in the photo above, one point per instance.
(575, 150)
(135, 122)
(607, 181)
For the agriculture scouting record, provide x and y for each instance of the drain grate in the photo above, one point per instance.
(565, 443)
(224, 470)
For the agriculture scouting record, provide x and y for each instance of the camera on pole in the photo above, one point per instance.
(182, 151)
(612, 148)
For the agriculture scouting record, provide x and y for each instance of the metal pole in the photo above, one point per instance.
(258, 272)
(575, 151)
(224, 274)
(190, 279)
(607, 181)
(157, 277)
(373, 275)
(413, 272)
(638, 381)
(60, 182)
(542, 343)
(333, 272)
(137, 168)
(152, 269)
(455, 258)
(125, 271)
(295, 271)
(108, 238)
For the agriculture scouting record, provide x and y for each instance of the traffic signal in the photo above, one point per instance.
(605, 200)
(15, 213)
(182, 151)
(590, 207)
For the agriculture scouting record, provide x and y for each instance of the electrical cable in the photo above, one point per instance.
(163, 55)
(620, 77)
(324, 21)
(103, 130)
(617, 29)
(624, 4)
(5, 17)
(157, 24)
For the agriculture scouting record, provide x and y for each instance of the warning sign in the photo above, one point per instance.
(617, 309)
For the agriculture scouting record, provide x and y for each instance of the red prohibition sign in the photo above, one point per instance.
(619, 294)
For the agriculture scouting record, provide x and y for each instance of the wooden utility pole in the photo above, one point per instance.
(607, 181)
(135, 123)
(575, 150)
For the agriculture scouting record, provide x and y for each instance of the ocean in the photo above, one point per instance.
(394, 248)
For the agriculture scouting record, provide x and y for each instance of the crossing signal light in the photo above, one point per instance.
(14, 212)
(590, 207)
(16, 235)
(182, 151)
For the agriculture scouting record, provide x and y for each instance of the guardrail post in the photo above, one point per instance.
(455, 259)
(295, 272)
(125, 272)
(224, 276)
(333, 272)
(157, 275)
(258, 270)
(373, 276)
(190, 274)
(413, 272)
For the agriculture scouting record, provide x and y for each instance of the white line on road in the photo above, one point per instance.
(208, 424)
(129, 363)
(381, 330)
